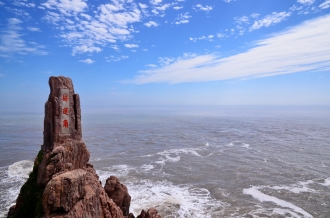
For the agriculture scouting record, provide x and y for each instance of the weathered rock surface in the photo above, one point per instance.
(118, 193)
(63, 184)
(151, 213)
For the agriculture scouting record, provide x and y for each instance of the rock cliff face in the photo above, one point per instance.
(63, 184)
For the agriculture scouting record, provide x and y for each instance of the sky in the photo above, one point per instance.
(162, 52)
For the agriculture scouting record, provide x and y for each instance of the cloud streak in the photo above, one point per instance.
(11, 41)
(302, 48)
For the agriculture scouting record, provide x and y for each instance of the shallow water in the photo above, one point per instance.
(228, 163)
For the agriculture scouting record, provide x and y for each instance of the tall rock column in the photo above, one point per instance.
(63, 184)
(62, 148)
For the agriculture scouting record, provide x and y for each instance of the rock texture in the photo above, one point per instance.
(118, 193)
(63, 184)
(151, 213)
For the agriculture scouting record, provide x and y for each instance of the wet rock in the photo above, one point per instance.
(151, 213)
(118, 193)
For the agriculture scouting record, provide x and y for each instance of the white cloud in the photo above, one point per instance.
(1, 3)
(254, 15)
(66, 6)
(87, 61)
(115, 47)
(151, 65)
(241, 20)
(2, 75)
(182, 18)
(23, 3)
(11, 41)
(200, 7)
(131, 46)
(86, 32)
(155, 2)
(325, 4)
(273, 18)
(228, 1)
(208, 38)
(151, 23)
(177, 7)
(143, 6)
(302, 48)
(33, 29)
(84, 49)
(306, 1)
(113, 58)
(19, 12)
(159, 10)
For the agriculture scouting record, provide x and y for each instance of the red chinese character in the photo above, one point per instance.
(66, 111)
(65, 98)
(65, 124)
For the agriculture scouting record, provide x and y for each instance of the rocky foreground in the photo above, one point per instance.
(63, 184)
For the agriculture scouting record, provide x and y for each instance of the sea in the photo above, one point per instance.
(219, 161)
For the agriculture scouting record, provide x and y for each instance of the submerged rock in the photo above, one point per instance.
(63, 184)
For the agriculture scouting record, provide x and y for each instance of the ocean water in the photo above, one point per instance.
(201, 162)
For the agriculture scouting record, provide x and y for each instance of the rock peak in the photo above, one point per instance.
(63, 184)
(62, 113)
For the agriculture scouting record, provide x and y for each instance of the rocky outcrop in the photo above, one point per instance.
(63, 184)
(151, 213)
(118, 193)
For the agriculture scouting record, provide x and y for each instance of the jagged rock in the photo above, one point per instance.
(62, 183)
(118, 193)
(151, 213)
(78, 193)
(63, 151)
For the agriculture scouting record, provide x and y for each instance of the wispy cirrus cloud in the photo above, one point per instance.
(182, 18)
(302, 48)
(19, 12)
(275, 17)
(113, 58)
(309, 2)
(200, 7)
(208, 38)
(12, 42)
(24, 3)
(325, 4)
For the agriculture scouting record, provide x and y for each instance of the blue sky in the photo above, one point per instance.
(161, 52)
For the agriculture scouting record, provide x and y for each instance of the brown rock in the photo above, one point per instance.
(63, 184)
(151, 213)
(118, 193)
(78, 193)
(62, 151)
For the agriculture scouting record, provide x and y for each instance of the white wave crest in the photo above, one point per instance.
(171, 200)
(255, 193)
